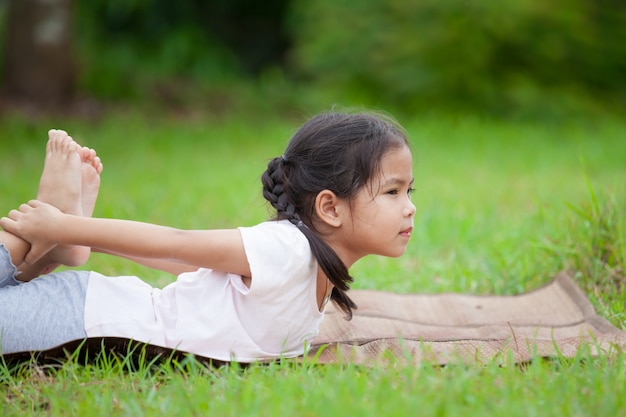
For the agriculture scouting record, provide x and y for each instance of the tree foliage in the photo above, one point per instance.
(407, 54)
(126, 44)
(485, 53)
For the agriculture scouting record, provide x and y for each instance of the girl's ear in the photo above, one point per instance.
(328, 208)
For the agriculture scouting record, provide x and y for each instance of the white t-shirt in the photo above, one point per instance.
(214, 314)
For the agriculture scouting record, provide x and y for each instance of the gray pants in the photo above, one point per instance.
(43, 313)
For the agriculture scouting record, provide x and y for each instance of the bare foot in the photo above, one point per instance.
(61, 186)
(91, 169)
(71, 190)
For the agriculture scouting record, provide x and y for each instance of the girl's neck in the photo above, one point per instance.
(333, 236)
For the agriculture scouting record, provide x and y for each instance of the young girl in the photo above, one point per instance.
(341, 191)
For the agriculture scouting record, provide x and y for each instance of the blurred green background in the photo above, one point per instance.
(530, 58)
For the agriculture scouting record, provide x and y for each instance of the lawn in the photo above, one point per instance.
(502, 206)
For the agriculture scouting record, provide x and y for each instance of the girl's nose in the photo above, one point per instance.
(410, 209)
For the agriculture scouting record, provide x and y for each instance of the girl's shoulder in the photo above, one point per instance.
(277, 246)
(279, 230)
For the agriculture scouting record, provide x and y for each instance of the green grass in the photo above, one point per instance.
(502, 206)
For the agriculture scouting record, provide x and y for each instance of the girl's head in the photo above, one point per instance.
(340, 152)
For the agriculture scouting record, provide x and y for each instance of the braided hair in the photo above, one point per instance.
(340, 152)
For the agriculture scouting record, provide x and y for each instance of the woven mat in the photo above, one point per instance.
(556, 319)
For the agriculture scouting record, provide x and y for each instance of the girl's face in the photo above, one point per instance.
(381, 219)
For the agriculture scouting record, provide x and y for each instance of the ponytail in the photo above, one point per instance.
(334, 269)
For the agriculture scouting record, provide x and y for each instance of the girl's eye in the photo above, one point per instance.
(396, 191)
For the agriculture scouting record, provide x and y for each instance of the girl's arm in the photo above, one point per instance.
(158, 264)
(43, 225)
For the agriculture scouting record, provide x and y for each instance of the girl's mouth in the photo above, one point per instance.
(407, 232)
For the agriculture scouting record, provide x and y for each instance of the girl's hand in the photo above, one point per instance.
(36, 223)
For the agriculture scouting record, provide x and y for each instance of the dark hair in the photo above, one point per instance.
(340, 152)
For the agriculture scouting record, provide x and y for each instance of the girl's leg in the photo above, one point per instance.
(12, 251)
(15, 249)
(43, 313)
(49, 311)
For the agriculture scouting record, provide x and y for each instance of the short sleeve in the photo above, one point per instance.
(277, 253)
